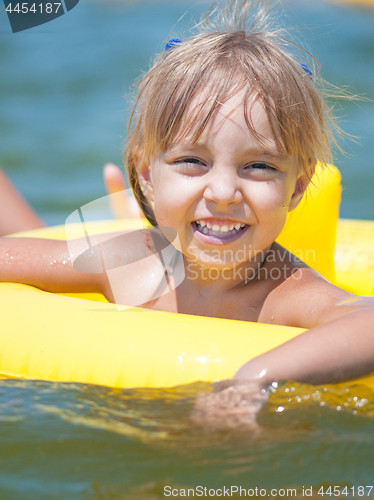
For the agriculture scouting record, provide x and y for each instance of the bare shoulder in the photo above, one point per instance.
(139, 243)
(303, 298)
(135, 264)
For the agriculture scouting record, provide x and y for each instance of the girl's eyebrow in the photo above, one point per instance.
(262, 150)
(185, 145)
(269, 153)
(253, 151)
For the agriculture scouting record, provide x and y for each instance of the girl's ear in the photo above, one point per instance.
(144, 175)
(300, 187)
(302, 183)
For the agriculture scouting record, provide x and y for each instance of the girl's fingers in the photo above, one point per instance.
(123, 204)
(234, 407)
(113, 178)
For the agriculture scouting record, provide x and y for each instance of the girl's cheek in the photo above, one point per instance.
(166, 211)
(267, 200)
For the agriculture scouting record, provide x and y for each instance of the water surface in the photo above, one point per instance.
(74, 441)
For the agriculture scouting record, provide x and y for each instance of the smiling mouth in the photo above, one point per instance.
(219, 231)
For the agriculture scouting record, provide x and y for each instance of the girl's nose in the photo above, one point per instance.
(222, 188)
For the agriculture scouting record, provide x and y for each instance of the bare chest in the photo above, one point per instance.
(243, 304)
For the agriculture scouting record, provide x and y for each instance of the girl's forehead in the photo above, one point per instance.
(205, 99)
(237, 115)
(236, 112)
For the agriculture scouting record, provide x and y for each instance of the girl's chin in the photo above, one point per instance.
(212, 260)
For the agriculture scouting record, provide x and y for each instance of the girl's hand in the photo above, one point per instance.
(125, 206)
(233, 404)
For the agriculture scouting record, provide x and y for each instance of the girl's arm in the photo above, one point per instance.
(46, 264)
(339, 350)
(339, 344)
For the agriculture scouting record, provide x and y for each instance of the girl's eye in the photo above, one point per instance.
(260, 167)
(190, 165)
(189, 160)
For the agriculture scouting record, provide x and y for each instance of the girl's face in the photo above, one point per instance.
(227, 195)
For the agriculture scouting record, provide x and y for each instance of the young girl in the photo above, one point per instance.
(225, 135)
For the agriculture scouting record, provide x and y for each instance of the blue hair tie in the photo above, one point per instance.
(307, 70)
(172, 42)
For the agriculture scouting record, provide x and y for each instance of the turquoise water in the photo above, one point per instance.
(72, 441)
(62, 116)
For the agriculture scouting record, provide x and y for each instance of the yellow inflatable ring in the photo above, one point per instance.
(69, 339)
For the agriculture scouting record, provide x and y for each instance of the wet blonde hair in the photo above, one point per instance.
(235, 50)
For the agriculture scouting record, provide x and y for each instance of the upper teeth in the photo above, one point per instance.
(225, 228)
